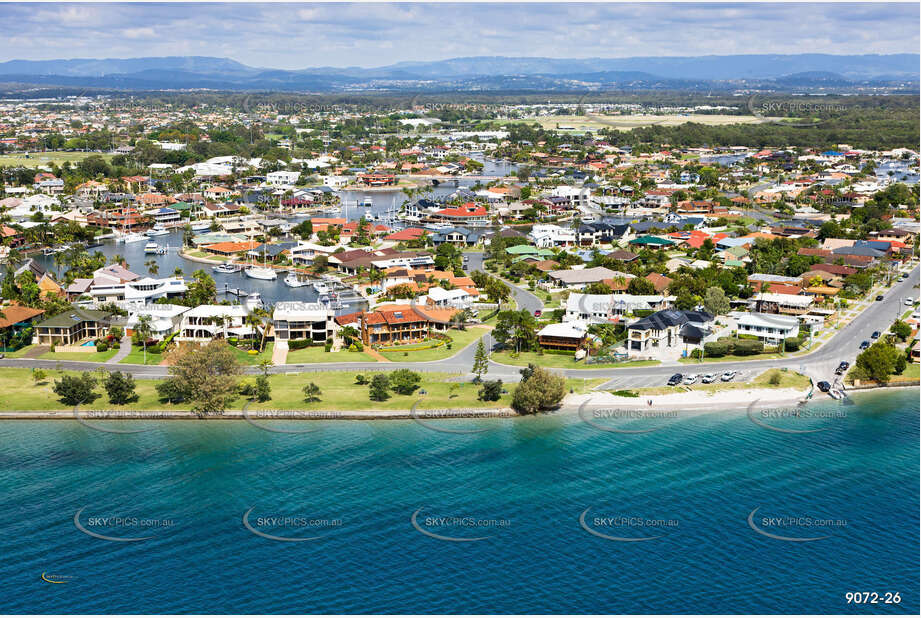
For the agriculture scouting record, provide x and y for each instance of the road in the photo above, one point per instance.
(524, 298)
(819, 365)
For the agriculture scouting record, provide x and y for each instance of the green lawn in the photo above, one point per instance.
(460, 340)
(46, 158)
(91, 357)
(559, 361)
(243, 355)
(136, 357)
(339, 392)
(318, 354)
(20, 352)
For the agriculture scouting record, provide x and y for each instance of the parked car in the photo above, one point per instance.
(675, 380)
(842, 368)
(864, 345)
(824, 386)
(909, 301)
(880, 297)
(728, 376)
(709, 378)
(691, 379)
(537, 313)
(875, 335)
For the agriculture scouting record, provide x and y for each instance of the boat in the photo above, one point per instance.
(366, 203)
(133, 237)
(260, 272)
(253, 301)
(227, 268)
(157, 230)
(320, 287)
(151, 247)
(200, 226)
(292, 281)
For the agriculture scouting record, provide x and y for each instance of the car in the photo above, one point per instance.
(537, 313)
(864, 345)
(675, 380)
(824, 386)
(875, 335)
(728, 376)
(880, 297)
(691, 379)
(709, 378)
(909, 301)
(844, 365)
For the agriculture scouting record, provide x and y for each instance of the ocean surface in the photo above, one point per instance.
(519, 487)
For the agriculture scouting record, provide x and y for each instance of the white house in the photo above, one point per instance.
(300, 320)
(768, 327)
(282, 178)
(164, 319)
(456, 299)
(601, 308)
(206, 322)
(547, 235)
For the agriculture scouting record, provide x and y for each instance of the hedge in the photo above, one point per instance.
(300, 344)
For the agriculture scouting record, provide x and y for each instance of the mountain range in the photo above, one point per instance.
(483, 72)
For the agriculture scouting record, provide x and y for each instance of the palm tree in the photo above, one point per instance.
(143, 331)
(152, 267)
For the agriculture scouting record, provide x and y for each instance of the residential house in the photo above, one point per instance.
(207, 322)
(789, 304)
(72, 327)
(768, 327)
(563, 336)
(295, 320)
(603, 308)
(668, 329)
(579, 278)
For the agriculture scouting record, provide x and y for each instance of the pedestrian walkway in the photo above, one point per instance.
(377, 355)
(123, 351)
(280, 353)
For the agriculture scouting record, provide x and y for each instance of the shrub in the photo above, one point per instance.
(379, 388)
(361, 379)
(102, 346)
(716, 348)
(39, 376)
(747, 348)
(120, 388)
(538, 390)
(792, 344)
(312, 392)
(76, 390)
(404, 381)
(623, 393)
(490, 391)
(775, 378)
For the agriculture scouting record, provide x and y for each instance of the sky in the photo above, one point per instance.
(295, 36)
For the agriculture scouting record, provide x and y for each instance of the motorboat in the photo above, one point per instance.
(200, 226)
(253, 301)
(157, 230)
(151, 247)
(320, 287)
(260, 272)
(292, 281)
(227, 268)
(366, 203)
(133, 237)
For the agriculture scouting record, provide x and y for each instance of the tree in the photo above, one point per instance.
(201, 290)
(715, 301)
(518, 327)
(542, 390)
(901, 330)
(312, 392)
(641, 287)
(404, 381)
(76, 390)
(491, 390)
(262, 390)
(152, 267)
(878, 362)
(206, 376)
(379, 388)
(480, 361)
(142, 331)
(120, 388)
(39, 376)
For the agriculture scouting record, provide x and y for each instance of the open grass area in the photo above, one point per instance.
(786, 379)
(460, 340)
(90, 357)
(243, 355)
(20, 352)
(559, 361)
(136, 357)
(36, 159)
(339, 392)
(318, 354)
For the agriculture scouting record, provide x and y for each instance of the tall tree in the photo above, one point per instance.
(480, 361)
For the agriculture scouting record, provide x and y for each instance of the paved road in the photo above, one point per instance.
(819, 365)
(524, 298)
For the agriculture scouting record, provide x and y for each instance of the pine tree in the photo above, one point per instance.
(480, 361)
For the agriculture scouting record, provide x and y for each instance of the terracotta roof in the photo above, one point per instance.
(13, 314)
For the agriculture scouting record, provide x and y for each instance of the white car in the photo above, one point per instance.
(909, 301)
(728, 376)
(691, 379)
(709, 378)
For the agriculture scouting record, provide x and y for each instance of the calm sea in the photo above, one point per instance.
(520, 487)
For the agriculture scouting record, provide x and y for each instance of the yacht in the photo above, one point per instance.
(151, 247)
(253, 301)
(260, 272)
(157, 230)
(133, 237)
(320, 287)
(292, 281)
(200, 226)
(227, 268)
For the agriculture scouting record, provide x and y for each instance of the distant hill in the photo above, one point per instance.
(490, 72)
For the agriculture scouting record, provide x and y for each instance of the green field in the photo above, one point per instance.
(339, 392)
(136, 357)
(90, 357)
(460, 340)
(559, 361)
(46, 158)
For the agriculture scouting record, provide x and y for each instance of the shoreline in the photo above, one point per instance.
(692, 403)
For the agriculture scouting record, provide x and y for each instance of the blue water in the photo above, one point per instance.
(705, 473)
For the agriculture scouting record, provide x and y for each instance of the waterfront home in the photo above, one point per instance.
(14, 319)
(457, 236)
(294, 320)
(164, 216)
(669, 329)
(207, 322)
(395, 324)
(44, 280)
(467, 214)
(282, 178)
(767, 327)
(164, 319)
(548, 235)
(72, 327)
(458, 298)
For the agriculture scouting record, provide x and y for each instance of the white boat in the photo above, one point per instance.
(133, 237)
(320, 287)
(157, 231)
(253, 301)
(228, 268)
(151, 247)
(292, 281)
(259, 272)
(200, 226)
(366, 203)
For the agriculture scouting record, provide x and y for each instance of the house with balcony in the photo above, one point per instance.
(207, 322)
(565, 336)
(768, 327)
(669, 329)
(609, 308)
(295, 320)
(395, 324)
(72, 327)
